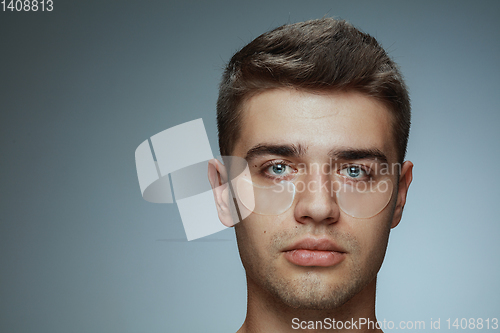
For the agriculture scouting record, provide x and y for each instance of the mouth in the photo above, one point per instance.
(320, 252)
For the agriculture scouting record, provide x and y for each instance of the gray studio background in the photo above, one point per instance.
(81, 87)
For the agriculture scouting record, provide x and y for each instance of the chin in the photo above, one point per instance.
(314, 293)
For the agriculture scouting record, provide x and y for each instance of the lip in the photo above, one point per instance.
(310, 251)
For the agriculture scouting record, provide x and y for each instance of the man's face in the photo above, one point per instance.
(282, 253)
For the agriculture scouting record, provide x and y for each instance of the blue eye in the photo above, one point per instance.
(354, 172)
(278, 169)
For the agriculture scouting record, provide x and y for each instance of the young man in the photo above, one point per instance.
(321, 115)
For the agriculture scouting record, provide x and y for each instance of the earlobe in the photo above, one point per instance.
(404, 184)
(217, 177)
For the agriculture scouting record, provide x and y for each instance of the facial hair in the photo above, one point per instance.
(318, 288)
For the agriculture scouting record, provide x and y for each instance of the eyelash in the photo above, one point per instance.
(267, 165)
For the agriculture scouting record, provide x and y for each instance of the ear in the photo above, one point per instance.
(217, 176)
(404, 184)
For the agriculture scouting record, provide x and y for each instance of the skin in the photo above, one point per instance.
(279, 290)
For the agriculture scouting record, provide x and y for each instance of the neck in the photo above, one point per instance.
(266, 313)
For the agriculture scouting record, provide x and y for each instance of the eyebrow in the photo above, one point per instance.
(299, 150)
(271, 149)
(357, 154)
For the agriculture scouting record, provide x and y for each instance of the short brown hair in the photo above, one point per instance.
(321, 55)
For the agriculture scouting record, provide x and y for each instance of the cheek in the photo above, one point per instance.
(254, 236)
(375, 231)
(373, 235)
(253, 229)
(259, 229)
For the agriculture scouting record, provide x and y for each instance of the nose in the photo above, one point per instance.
(316, 200)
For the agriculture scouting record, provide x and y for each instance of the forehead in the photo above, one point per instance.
(318, 121)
